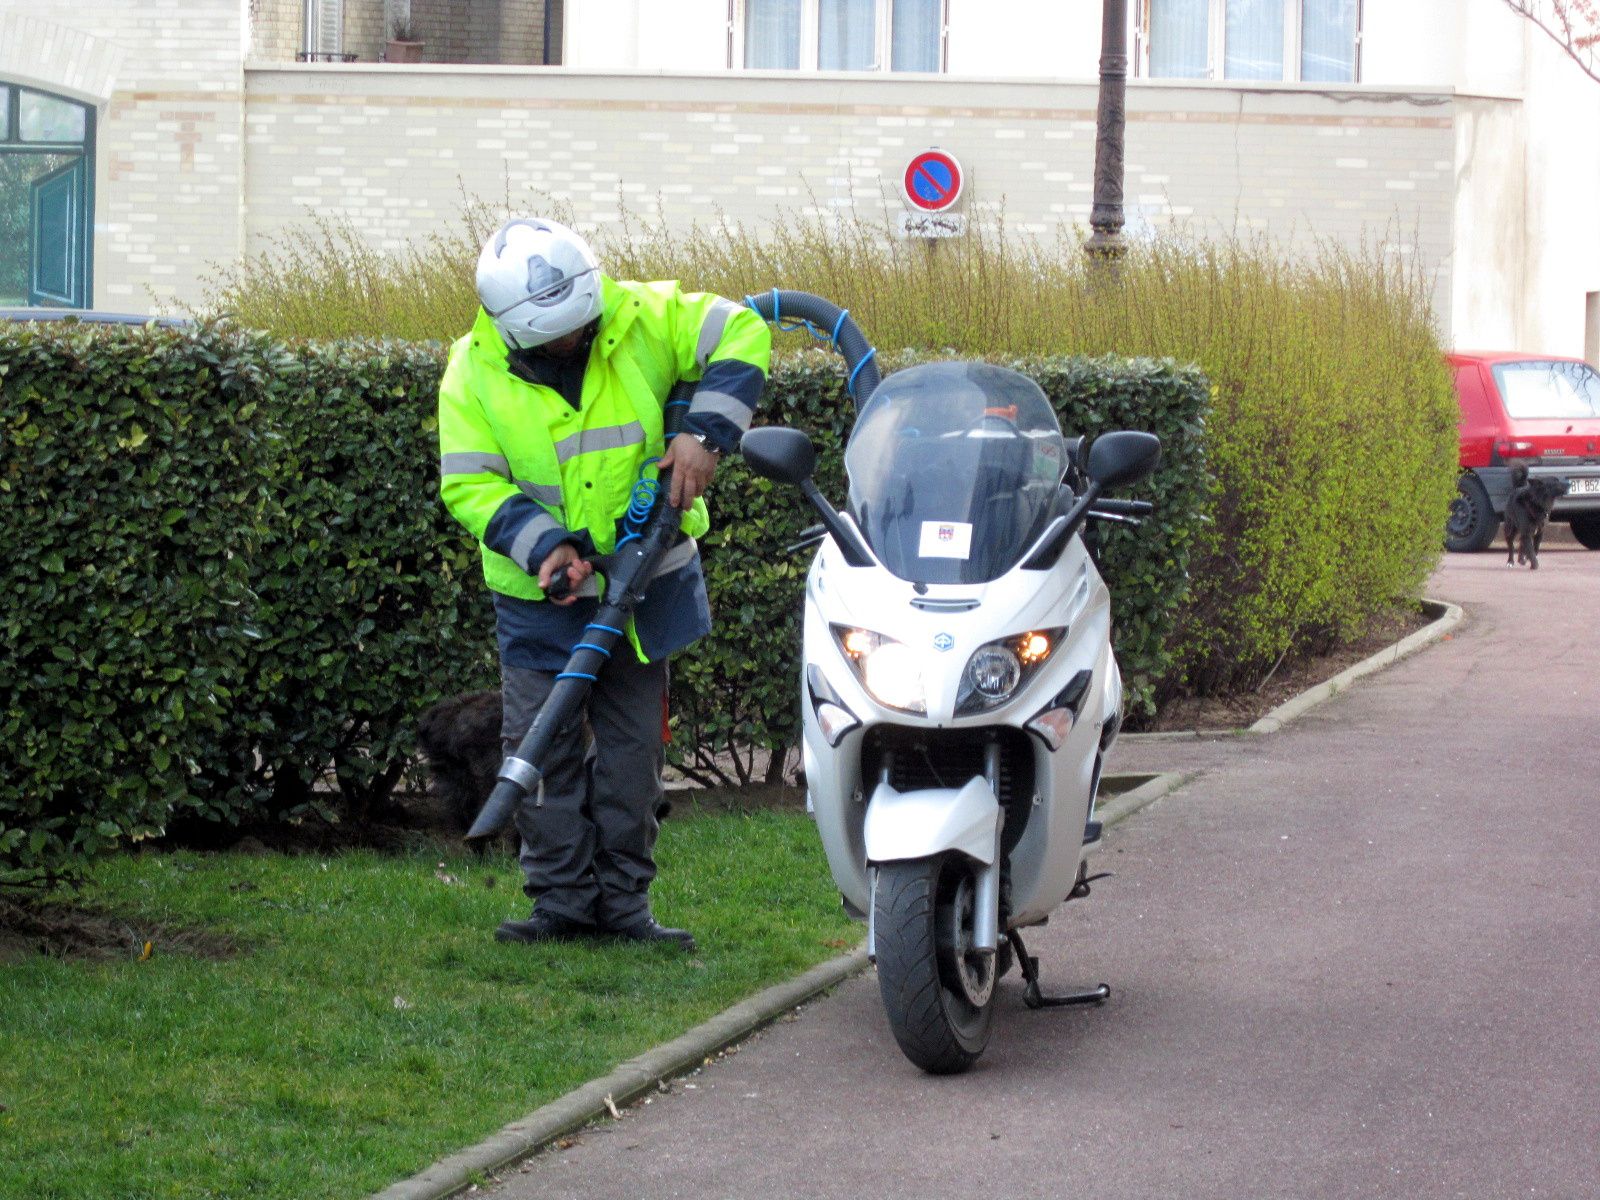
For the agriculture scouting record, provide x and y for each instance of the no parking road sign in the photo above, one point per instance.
(932, 181)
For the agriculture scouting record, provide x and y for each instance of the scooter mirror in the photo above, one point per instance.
(778, 453)
(1118, 459)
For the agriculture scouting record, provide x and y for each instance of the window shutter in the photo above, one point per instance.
(330, 26)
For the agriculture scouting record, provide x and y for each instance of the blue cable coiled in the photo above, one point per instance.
(640, 503)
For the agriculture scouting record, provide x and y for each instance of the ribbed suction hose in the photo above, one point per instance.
(826, 322)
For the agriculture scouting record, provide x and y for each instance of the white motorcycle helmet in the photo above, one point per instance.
(538, 281)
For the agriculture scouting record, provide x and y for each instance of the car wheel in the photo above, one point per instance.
(1472, 521)
(1586, 528)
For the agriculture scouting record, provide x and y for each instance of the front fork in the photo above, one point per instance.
(986, 883)
(986, 887)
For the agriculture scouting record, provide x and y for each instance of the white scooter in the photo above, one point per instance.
(959, 691)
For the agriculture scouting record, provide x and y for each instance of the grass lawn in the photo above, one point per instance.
(367, 1023)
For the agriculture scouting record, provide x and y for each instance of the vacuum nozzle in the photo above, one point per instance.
(518, 778)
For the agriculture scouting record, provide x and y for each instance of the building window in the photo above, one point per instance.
(1311, 41)
(46, 199)
(841, 35)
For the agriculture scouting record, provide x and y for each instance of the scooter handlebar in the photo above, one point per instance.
(1124, 508)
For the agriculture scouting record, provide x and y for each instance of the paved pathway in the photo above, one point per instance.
(1357, 958)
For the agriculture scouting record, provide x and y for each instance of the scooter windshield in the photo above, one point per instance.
(954, 469)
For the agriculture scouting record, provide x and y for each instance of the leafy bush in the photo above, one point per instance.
(231, 575)
(1332, 435)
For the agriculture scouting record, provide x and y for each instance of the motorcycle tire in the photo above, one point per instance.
(938, 993)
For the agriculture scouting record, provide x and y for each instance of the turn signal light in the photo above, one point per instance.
(1053, 725)
(835, 722)
(858, 642)
(1033, 648)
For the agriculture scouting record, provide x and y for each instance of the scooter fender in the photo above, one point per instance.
(905, 825)
(930, 821)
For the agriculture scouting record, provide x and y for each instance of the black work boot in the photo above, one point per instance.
(543, 927)
(647, 929)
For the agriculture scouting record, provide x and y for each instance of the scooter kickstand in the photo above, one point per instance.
(1033, 998)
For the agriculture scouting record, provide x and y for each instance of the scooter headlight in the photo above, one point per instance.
(889, 670)
(998, 670)
(995, 670)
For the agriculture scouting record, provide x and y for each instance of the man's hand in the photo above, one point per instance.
(692, 468)
(565, 558)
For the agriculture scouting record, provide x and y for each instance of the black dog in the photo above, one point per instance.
(1527, 511)
(460, 738)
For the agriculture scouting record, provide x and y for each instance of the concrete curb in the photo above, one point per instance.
(1446, 617)
(1125, 804)
(532, 1133)
(577, 1108)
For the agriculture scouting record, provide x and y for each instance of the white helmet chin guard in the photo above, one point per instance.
(538, 281)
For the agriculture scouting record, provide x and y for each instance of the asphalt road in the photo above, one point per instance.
(1356, 958)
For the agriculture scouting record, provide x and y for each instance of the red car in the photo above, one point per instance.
(1532, 410)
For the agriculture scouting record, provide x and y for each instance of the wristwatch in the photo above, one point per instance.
(707, 444)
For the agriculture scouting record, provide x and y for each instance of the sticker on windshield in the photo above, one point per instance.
(945, 539)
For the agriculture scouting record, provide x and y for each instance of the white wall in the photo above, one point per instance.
(1059, 40)
(1561, 173)
(683, 35)
(1490, 238)
(1422, 43)
(1527, 237)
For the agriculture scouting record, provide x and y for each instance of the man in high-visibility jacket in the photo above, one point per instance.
(548, 411)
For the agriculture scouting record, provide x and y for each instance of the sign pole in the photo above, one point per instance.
(1106, 218)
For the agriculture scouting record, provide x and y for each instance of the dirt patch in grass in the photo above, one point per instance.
(781, 797)
(410, 821)
(66, 931)
(405, 822)
(1294, 675)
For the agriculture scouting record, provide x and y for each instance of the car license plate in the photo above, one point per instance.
(1586, 487)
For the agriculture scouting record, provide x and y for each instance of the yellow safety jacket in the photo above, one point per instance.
(502, 438)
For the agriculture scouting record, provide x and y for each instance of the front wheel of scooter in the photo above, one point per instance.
(937, 989)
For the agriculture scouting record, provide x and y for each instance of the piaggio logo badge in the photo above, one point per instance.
(943, 641)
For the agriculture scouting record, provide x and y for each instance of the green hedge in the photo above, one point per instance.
(228, 578)
(232, 587)
(130, 524)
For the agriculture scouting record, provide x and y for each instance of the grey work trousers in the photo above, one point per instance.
(587, 851)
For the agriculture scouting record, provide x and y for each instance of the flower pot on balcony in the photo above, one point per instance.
(402, 52)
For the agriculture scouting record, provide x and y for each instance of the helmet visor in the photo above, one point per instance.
(546, 293)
